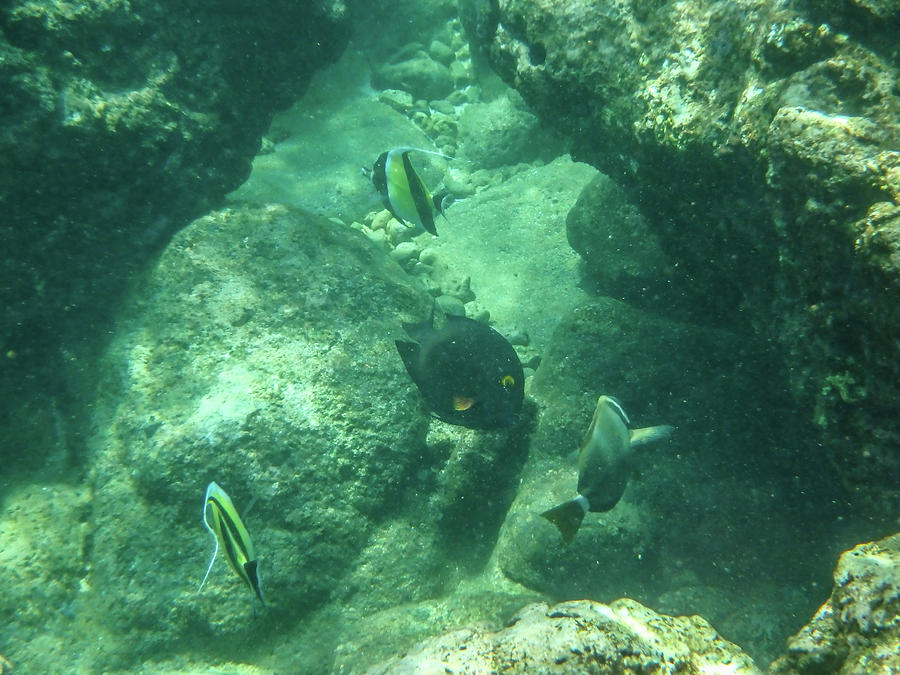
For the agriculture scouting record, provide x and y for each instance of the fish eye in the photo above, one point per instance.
(508, 381)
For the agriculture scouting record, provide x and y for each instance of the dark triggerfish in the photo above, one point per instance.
(468, 373)
(403, 192)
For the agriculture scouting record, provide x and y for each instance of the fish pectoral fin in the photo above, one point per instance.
(650, 434)
(461, 403)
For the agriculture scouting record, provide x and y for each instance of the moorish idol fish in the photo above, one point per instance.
(228, 530)
(468, 373)
(604, 465)
(403, 192)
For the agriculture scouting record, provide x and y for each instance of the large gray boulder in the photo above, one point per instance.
(259, 354)
(760, 142)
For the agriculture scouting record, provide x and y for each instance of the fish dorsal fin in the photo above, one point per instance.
(408, 148)
(620, 411)
(409, 353)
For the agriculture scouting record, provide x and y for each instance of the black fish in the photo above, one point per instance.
(468, 373)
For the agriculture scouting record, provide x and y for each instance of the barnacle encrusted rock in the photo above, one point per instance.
(858, 629)
(580, 636)
(761, 142)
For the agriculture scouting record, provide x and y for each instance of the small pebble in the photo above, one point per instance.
(404, 251)
(460, 72)
(529, 356)
(397, 99)
(417, 268)
(379, 237)
(397, 232)
(442, 106)
(440, 52)
(517, 336)
(428, 256)
(381, 219)
(458, 188)
(432, 287)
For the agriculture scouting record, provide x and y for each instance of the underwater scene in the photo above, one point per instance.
(450, 336)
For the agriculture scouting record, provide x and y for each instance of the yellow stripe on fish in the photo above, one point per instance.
(231, 535)
(402, 190)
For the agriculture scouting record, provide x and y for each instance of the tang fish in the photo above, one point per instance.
(468, 373)
(604, 465)
(229, 531)
(403, 192)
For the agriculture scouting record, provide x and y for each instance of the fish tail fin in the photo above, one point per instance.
(252, 569)
(567, 517)
(442, 200)
(650, 434)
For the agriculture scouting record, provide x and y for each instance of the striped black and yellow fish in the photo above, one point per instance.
(225, 524)
(402, 190)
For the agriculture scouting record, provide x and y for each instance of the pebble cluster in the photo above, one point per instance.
(432, 86)
(452, 294)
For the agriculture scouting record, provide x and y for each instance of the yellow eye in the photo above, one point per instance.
(508, 381)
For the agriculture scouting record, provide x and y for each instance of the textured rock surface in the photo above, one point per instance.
(858, 629)
(760, 141)
(121, 122)
(621, 256)
(580, 636)
(502, 131)
(44, 557)
(728, 467)
(260, 355)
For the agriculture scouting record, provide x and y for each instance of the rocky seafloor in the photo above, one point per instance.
(732, 272)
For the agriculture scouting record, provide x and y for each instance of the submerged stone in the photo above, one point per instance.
(579, 636)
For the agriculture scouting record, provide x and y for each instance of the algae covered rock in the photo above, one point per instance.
(123, 121)
(261, 356)
(758, 140)
(692, 499)
(46, 537)
(502, 131)
(622, 256)
(580, 636)
(858, 629)
(417, 73)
